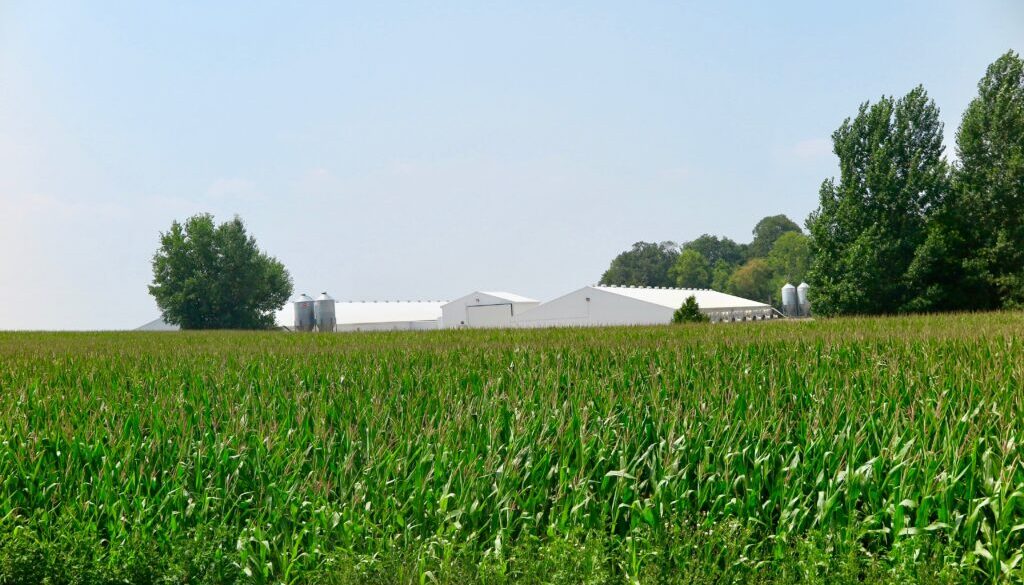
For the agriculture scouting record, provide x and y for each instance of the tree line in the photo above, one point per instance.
(902, 229)
(778, 253)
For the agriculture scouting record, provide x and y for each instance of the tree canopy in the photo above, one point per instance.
(767, 231)
(691, 270)
(208, 276)
(713, 249)
(752, 281)
(790, 257)
(646, 264)
(871, 222)
(990, 186)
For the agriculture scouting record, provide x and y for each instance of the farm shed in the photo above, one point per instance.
(158, 324)
(376, 315)
(622, 305)
(485, 309)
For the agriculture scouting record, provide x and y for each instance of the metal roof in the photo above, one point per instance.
(674, 297)
(511, 297)
(158, 324)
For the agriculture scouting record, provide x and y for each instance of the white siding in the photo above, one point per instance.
(593, 307)
(454, 314)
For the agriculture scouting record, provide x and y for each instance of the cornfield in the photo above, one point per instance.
(859, 449)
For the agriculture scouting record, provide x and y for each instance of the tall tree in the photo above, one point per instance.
(691, 270)
(790, 257)
(990, 186)
(752, 281)
(713, 249)
(720, 274)
(645, 264)
(870, 224)
(767, 231)
(207, 276)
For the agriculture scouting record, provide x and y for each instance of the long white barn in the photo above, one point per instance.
(620, 305)
(586, 307)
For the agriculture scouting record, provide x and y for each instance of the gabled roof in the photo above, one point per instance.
(495, 297)
(510, 297)
(673, 298)
(158, 324)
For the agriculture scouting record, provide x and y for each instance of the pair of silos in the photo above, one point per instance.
(795, 302)
(315, 315)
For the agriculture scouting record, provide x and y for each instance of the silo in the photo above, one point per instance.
(789, 307)
(303, 313)
(323, 312)
(803, 300)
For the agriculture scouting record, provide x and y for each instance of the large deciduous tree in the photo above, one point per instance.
(767, 231)
(790, 257)
(208, 276)
(753, 280)
(872, 221)
(989, 188)
(713, 249)
(645, 264)
(691, 270)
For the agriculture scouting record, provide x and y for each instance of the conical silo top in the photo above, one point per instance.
(804, 286)
(324, 297)
(304, 298)
(788, 286)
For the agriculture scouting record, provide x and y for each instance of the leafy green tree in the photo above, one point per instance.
(870, 224)
(720, 275)
(990, 189)
(713, 249)
(208, 276)
(767, 231)
(645, 264)
(790, 258)
(691, 270)
(689, 312)
(752, 281)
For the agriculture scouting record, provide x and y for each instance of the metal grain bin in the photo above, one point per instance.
(303, 313)
(323, 312)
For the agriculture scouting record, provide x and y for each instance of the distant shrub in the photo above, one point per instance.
(689, 312)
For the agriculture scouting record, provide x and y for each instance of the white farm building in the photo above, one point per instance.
(587, 307)
(621, 305)
(377, 315)
(485, 309)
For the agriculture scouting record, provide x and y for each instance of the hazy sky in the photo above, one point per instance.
(421, 150)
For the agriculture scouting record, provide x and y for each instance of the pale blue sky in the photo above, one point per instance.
(421, 150)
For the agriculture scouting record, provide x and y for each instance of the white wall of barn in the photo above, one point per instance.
(590, 307)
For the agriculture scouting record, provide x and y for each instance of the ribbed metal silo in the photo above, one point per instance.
(303, 313)
(323, 312)
(803, 300)
(789, 304)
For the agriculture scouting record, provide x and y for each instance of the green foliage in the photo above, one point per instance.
(689, 312)
(691, 270)
(646, 264)
(871, 223)
(215, 277)
(752, 281)
(789, 259)
(990, 188)
(715, 249)
(708, 261)
(767, 231)
(787, 452)
(720, 275)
